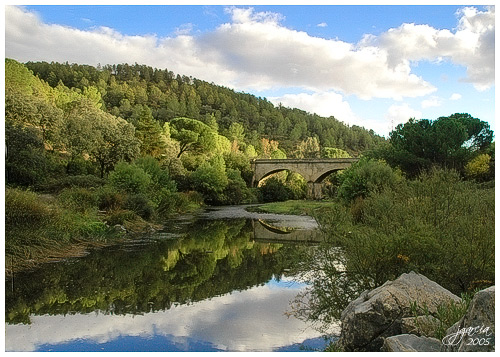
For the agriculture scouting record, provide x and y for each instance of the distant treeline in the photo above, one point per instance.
(125, 89)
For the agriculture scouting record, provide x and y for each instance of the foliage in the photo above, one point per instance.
(334, 153)
(129, 178)
(274, 190)
(25, 163)
(308, 148)
(78, 199)
(140, 204)
(436, 225)
(447, 313)
(125, 89)
(210, 179)
(479, 167)
(447, 141)
(193, 135)
(366, 177)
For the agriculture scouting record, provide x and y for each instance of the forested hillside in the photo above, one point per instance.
(126, 89)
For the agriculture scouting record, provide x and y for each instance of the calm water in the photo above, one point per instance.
(217, 283)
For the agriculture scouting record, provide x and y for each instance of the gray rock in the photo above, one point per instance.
(420, 325)
(411, 343)
(378, 313)
(476, 330)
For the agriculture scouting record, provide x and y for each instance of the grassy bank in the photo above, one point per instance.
(44, 227)
(297, 207)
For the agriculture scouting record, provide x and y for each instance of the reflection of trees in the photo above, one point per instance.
(213, 258)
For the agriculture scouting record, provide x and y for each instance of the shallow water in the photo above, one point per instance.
(205, 284)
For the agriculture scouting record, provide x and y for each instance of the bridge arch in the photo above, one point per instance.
(314, 171)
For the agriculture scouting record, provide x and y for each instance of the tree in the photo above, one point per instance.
(447, 141)
(25, 162)
(334, 153)
(149, 132)
(308, 148)
(193, 135)
(210, 179)
(115, 141)
(479, 167)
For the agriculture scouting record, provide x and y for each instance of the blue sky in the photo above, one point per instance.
(374, 66)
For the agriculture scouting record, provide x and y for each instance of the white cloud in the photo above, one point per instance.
(472, 45)
(431, 102)
(455, 96)
(229, 322)
(400, 114)
(322, 103)
(254, 51)
(323, 24)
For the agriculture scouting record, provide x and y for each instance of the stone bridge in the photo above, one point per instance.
(314, 171)
(266, 232)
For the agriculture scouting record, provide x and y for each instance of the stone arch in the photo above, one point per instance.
(313, 170)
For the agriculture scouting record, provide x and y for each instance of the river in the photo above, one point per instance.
(219, 281)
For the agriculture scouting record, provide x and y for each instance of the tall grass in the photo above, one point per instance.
(437, 225)
(38, 227)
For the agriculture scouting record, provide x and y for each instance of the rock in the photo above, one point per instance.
(411, 343)
(378, 313)
(476, 330)
(420, 325)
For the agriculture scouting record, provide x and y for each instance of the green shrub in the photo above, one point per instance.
(121, 217)
(129, 178)
(160, 176)
(437, 225)
(80, 167)
(274, 190)
(109, 199)
(93, 229)
(78, 199)
(140, 204)
(85, 181)
(366, 177)
(25, 209)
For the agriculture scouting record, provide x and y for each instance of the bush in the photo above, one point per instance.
(121, 217)
(78, 199)
(25, 209)
(129, 178)
(108, 199)
(438, 225)
(84, 181)
(141, 205)
(93, 229)
(274, 190)
(160, 176)
(366, 177)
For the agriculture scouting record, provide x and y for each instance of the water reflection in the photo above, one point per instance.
(204, 286)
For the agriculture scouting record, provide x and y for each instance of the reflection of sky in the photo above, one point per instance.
(250, 320)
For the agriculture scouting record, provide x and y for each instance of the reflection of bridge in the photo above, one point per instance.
(314, 171)
(263, 231)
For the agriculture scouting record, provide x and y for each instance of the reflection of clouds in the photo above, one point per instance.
(248, 320)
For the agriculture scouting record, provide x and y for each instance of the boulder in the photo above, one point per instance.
(378, 313)
(420, 325)
(411, 343)
(476, 330)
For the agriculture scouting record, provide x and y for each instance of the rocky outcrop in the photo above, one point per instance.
(411, 343)
(475, 331)
(378, 314)
(420, 325)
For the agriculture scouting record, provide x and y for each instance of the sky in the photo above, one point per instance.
(367, 65)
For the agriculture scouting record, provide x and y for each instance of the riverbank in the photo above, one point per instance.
(42, 228)
(292, 207)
